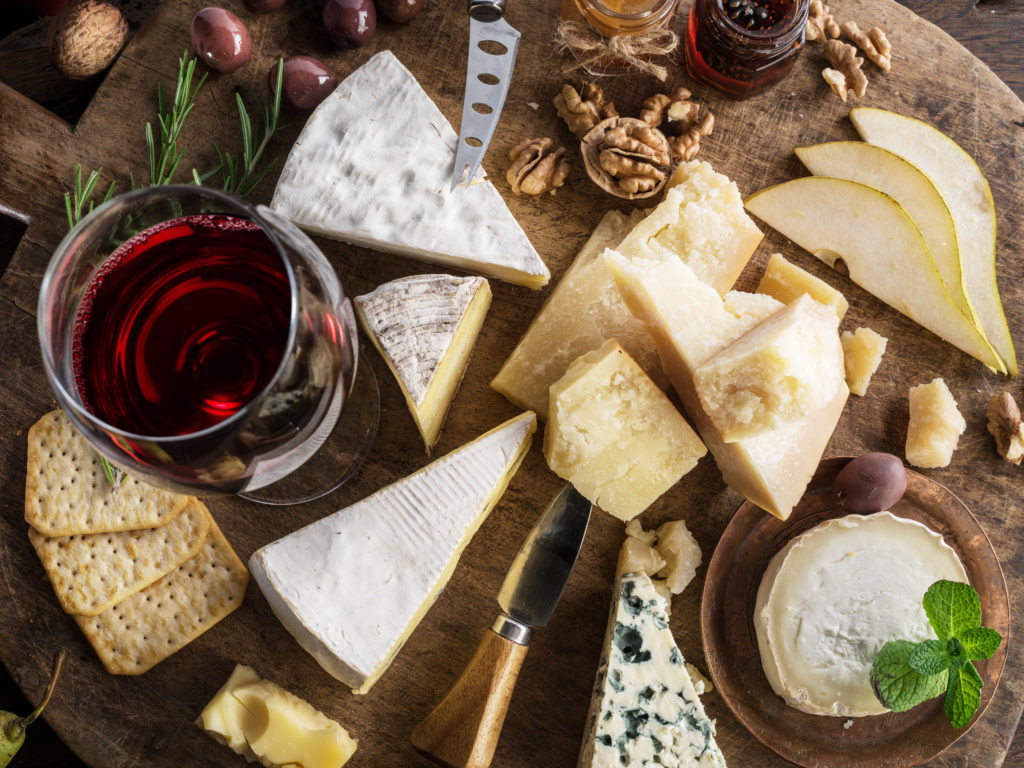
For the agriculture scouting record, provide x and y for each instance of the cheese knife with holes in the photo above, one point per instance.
(462, 731)
(493, 45)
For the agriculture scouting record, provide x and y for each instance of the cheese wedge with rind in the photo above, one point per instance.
(689, 324)
(373, 165)
(425, 326)
(353, 586)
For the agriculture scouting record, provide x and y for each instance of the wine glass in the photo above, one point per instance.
(205, 344)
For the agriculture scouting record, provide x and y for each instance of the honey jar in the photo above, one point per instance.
(742, 47)
(620, 17)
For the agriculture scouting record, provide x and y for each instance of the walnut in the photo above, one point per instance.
(85, 37)
(874, 43)
(1004, 423)
(582, 110)
(535, 168)
(844, 58)
(626, 157)
(836, 81)
(820, 23)
(655, 108)
(686, 145)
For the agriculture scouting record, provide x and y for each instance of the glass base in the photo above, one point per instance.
(341, 454)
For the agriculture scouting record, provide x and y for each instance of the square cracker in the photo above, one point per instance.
(92, 571)
(66, 492)
(147, 627)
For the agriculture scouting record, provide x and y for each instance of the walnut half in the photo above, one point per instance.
(627, 157)
(535, 168)
(1004, 423)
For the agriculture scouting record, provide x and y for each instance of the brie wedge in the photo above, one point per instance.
(352, 587)
(425, 327)
(832, 597)
(372, 166)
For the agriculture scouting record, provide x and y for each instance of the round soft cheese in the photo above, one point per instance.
(832, 597)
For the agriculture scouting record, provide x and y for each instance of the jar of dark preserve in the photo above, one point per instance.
(743, 47)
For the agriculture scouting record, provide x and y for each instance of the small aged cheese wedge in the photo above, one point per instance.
(614, 434)
(372, 166)
(781, 370)
(785, 281)
(353, 586)
(425, 327)
(832, 597)
(645, 711)
(862, 354)
(935, 425)
(584, 310)
(268, 724)
(701, 221)
(689, 323)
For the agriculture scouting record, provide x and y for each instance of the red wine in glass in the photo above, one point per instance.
(184, 324)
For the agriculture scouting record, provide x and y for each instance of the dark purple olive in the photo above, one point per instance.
(871, 483)
(220, 39)
(399, 11)
(264, 6)
(307, 81)
(349, 23)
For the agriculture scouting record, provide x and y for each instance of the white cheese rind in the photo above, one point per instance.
(373, 165)
(353, 586)
(645, 711)
(832, 597)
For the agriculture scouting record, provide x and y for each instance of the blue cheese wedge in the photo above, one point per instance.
(373, 165)
(353, 586)
(425, 327)
(645, 711)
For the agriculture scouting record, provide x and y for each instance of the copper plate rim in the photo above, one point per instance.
(734, 573)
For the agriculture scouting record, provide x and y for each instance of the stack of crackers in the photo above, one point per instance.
(143, 571)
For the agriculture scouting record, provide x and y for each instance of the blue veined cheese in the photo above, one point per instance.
(645, 711)
(353, 586)
(373, 166)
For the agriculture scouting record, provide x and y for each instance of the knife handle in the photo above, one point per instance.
(463, 729)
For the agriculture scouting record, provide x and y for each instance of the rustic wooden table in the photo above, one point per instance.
(991, 29)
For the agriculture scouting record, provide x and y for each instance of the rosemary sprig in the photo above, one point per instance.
(164, 157)
(78, 202)
(115, 475)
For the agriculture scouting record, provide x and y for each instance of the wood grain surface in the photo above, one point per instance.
(147, 720)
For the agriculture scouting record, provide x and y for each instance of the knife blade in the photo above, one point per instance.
(493, 45)
(463, 729)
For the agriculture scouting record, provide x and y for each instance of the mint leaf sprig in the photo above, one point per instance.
(905, 674)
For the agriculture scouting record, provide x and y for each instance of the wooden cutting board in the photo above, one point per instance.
(116, 722)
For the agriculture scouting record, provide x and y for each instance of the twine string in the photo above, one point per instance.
(590, 49)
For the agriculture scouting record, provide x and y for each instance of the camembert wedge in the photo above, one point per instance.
(425, 327)
(645, 711)
(353, 586)
(372, 166)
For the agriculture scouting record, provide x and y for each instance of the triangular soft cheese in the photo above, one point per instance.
(373, 165)
(645, 711)
(352, 587)
(425, 327)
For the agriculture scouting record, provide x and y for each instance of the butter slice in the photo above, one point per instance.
(935, 425)
(614, 434)
(584, 310)
(353, 586)
(701, 221)
(785, 281)
(783, 369)
(266, 723)
(690, 324)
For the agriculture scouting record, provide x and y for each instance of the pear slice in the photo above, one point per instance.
(880, 244)
(891, 174)
(966, 192)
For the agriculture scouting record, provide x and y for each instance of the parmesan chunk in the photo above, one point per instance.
(935, 425)
(786, 281)
(862, 354)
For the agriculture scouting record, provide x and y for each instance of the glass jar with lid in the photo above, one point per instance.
(620, 17)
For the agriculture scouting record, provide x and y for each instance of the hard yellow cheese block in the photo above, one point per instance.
(935, 425)
(614, 434)
(783, 369)
(701, 221)
(266, 723)
(584, 310)
(862, 354)
(785, 281)
(689, 324)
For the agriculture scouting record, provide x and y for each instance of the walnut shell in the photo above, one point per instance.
(593, 144)
(85, 37)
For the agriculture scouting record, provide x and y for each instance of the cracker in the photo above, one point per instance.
(66, 492)
(143, 630)
(92, 571)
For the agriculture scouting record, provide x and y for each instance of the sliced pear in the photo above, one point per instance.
(889, 173)
(880, 244)
(969, 199)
